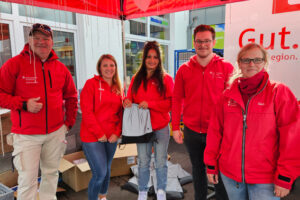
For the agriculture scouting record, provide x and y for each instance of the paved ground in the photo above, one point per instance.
(178, 155)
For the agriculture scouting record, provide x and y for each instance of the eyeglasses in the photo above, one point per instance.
(199, 42)
(254, 60)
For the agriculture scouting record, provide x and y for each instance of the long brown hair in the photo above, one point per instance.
(115, 80)
(141, 74)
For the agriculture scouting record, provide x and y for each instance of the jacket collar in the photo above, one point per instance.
(99, 78)
(233, 92)
(28, 51)
(214, 59)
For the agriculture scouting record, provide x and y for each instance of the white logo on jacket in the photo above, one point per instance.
(216, 74)
(261, 103)
(30, 80)
(232, 102)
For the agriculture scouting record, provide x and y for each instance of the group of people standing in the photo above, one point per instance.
(240, 129)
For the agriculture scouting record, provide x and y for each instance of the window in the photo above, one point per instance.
(63, 47)
(164, 56)
(47, 14)
(134, 53)
(5, 7)
(136, 26)
(159, 27)
(5, 48)
(138, 31)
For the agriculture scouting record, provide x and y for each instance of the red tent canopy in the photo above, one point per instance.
(123, 9)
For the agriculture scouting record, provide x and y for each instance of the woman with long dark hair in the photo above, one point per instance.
(101, 106)
(151, 88)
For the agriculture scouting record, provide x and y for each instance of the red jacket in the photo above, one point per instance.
(158, 105)
(25, 76)
(198, 88)
(258, 142)
(101, 108)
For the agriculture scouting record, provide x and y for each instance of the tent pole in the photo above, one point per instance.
(124, 57)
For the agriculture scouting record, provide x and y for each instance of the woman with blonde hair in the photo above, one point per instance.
(101, 106)
(252, 136)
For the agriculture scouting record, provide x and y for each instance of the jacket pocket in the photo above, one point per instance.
(50, 79)
(20, 118)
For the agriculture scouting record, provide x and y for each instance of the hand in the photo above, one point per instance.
(213, 178)
(280, 191)
(127, 103)
(102, 139)
(178, 136)
(113, 138)
(33, 105)
(67, 127)
(143, 105)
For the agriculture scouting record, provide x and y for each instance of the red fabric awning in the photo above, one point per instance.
(131, 8)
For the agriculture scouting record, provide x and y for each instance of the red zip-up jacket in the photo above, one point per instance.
(258, 142)
(25, 76)
(198, 88)
(102, 110)
(159, 106)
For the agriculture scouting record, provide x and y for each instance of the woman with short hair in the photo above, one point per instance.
(253, 133)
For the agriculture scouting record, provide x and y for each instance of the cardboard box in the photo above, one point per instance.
(9, 178)
(5, 128)
(124, 158)
(77, 176)
(181, 127)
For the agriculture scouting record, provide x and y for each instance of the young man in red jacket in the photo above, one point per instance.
(42, 97)
(198, 84)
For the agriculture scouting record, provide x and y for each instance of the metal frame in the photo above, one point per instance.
(178, 52)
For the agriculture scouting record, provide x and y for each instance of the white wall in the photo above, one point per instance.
(181, 21)
(97, 36)
(257, 15)
(178, 35)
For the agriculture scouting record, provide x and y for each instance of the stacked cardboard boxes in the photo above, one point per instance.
(77, 176)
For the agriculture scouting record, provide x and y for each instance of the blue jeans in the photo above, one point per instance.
(161, 155)
(244, 191)
(99, 156)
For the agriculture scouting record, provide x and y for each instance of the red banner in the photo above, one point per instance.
(281, 6)
(131, 8)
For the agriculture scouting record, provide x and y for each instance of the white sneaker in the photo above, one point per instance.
(161, 195)
(103, 198)
(143, 195)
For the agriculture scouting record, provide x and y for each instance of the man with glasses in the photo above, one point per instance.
(198, 85)
(41, 94)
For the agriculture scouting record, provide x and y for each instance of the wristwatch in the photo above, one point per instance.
(24, 105)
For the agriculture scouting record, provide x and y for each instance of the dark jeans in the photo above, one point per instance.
(195, 144)
(99, 156)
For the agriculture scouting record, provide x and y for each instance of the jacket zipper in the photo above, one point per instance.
(20, 122)
(244, 131)
(50, 79)
(201, 106)
(46, 101)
